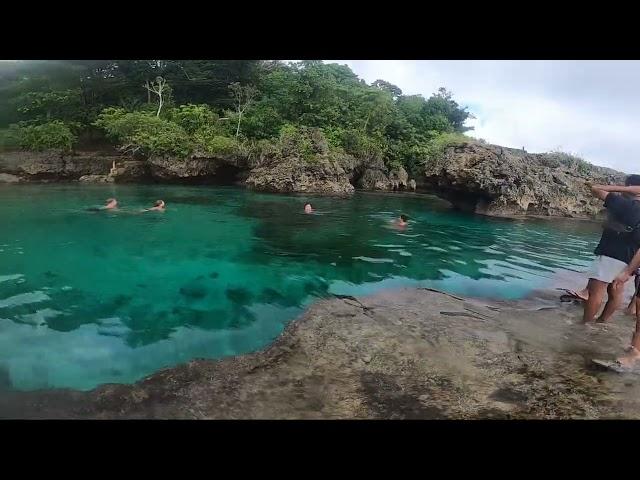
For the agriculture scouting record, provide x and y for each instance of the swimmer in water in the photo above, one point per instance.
(401, 222)
(158, 207)
(111, 204)
(308, 208)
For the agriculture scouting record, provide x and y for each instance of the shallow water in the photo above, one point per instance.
(98, 297)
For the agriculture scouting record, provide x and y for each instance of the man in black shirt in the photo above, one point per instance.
(618, 244)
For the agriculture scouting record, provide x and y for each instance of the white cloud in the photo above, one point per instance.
(585, 107)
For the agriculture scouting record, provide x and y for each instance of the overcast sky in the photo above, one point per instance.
(590, 108)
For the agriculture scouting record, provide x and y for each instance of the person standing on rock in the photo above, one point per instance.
(619, 242)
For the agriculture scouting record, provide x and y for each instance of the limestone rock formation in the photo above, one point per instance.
(96, 179)
(54, 165)
(293, 175)
(499, 181)
(9, 178)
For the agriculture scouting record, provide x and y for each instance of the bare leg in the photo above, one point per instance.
(631, 309)
(596, 290)
(613, 303)
(634, 352)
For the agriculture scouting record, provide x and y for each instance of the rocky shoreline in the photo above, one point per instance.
(407, 354)
(481, 178)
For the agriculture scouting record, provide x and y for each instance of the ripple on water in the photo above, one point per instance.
(23, 299)
(374, 260)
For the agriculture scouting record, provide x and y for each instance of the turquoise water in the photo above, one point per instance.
(96, 297)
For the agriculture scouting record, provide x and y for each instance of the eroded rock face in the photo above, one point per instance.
(293, 175)
(195, 169)
(130, 171)
(8, 178)
(96, 179)
(499, 181)
(168, 168)
(54, 165)
(374, 175)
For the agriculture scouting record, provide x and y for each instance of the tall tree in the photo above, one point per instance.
(243, 96)
(159, 87)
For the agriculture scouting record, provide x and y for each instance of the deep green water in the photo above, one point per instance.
(88, 298)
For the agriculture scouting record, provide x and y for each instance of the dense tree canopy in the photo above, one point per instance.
(208, 106)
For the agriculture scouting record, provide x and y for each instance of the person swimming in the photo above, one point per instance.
(110, 204)
(308, 208)
(159, 206)
(401, 222)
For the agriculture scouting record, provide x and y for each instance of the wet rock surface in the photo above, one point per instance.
(408, 354)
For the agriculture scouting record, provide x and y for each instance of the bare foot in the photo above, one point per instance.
(629, 360)
(631, 309)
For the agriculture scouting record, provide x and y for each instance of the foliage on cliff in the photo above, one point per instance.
(207, 108)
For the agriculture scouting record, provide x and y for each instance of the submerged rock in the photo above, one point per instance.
(194, 290)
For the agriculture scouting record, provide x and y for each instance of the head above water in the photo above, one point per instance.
(308, 207)
(404, 218)
(159, 203)
(111, 201)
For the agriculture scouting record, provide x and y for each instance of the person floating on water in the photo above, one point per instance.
(308, 208)
(110, 204)
(401, 222)
(159, 206)
(619, 242)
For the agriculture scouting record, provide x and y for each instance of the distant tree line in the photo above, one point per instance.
(213, 107)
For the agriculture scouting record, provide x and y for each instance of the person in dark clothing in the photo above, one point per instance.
(619, 242)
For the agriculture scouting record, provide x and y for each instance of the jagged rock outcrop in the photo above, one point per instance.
(499, 181)
(130, 171)
(292, 175)
(54, 165)
(96, 179)
(223, 169)
(170, 168)
(482, 178)
(9, 178)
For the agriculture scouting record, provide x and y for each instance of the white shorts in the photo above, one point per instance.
(606, 269)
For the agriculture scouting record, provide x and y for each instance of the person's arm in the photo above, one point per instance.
(635, 189)
(629, 270)
(599, 192)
